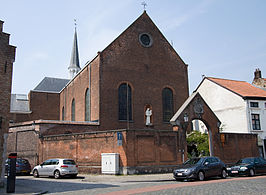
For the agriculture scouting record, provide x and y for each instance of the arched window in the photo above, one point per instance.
(87, 106)
(125, 102)
(63, 113)
(73, 110)
(167, 104)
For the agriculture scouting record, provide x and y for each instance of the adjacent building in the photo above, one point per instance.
(240, 106)
(7, 58)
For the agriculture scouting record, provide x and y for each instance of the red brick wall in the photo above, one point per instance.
(77, 89)
(237, 146)
(20, 117)
(151, 151)
(7, 57)
(25, 144)
(44, 105)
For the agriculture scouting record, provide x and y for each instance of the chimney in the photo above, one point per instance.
(257, 74)
(1, 25)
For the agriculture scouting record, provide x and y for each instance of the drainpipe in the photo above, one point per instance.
(248, 118)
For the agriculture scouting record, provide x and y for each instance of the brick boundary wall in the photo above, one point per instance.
(236, 146)
(142, 151)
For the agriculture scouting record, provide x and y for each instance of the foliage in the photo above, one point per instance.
(198, 144)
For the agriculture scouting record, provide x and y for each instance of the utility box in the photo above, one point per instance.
(110, 163)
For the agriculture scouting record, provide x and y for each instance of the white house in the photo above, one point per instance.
(240, 106)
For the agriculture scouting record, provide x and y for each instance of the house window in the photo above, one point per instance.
(254, 104)
(63, 113)
(255, 121)
(167, 104)
(125, 102)
(87, 105)
(73, 110)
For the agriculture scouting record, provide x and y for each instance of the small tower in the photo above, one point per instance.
(74, 67)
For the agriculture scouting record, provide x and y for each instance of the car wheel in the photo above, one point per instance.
(56, 174)
(35, 173)
(251, 173)
(223, 174)
(201, 176)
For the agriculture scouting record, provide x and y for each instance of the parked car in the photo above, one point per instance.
(57, 168)
(22, 166)
(200, 168)
(248, 166)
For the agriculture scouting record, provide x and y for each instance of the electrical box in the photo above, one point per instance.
(110, 163)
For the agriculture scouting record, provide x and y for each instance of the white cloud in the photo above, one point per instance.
(198, 9)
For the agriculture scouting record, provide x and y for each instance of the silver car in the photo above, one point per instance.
(56, 167)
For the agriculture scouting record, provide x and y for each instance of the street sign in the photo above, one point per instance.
(119, 138)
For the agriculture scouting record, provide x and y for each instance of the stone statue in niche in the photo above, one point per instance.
(148, 114)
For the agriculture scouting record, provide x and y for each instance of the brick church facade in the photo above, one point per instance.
(150, 75)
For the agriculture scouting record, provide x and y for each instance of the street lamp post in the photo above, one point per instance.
(182, 132)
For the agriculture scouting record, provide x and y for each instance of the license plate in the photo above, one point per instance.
(179, 174)
(234, 171)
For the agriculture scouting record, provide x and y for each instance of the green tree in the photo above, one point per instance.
(198, 141)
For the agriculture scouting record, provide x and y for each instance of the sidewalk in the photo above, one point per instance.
(30, 188)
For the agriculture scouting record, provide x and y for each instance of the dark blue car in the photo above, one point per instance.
(248, 166)
(22, 166)
(200, 168)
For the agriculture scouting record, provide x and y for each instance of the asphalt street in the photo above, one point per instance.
(138, 184)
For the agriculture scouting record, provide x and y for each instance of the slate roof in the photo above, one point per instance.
(241, 88)
(19, 103)
(49, 84)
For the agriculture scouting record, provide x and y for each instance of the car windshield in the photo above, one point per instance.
(192, 161)
(69, 162)
(22, 161)
(245, 161)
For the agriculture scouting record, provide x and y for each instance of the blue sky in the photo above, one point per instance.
(217, 38)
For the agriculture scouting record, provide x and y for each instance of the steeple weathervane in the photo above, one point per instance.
(144, 5)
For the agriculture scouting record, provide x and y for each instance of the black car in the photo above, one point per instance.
(248, 166)
(200, 168)
(22, 166)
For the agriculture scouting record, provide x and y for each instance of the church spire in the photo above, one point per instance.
(74, 67)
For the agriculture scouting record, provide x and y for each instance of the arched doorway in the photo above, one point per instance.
(199, 139)
(195, 108)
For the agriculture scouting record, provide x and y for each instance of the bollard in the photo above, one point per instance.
(11, 173)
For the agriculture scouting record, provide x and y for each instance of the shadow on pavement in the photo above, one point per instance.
(50, 186)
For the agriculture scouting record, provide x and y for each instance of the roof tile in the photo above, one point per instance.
(241, 88)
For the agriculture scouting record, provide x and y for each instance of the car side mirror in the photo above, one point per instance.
(206, 163)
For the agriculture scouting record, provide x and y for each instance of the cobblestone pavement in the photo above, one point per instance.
(138, 184)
